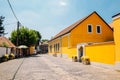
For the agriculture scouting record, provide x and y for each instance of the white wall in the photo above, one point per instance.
(3, 51)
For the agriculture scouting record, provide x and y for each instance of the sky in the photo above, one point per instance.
(49, 17)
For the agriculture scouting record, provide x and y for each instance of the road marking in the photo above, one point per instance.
(18, 69)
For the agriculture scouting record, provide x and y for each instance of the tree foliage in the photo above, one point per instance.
(45, 40)
(1, 25)
(25, 36)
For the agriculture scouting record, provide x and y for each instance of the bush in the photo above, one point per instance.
(5, 57)
(11, 56)
(85, 60)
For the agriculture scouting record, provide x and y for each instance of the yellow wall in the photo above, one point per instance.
(32, 48)
(104, 53)
(66, 49)
(116, 24)
(56, 41)
(80, 33)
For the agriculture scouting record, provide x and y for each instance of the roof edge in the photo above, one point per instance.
(76, 25)
(81, 22)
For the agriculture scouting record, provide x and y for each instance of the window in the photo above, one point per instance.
(98, 29)
(89, 28)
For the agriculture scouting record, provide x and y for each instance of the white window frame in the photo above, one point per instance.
(100, 29)
(88, 28)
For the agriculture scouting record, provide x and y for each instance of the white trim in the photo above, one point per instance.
(81, 45)
(100, 29)
(116, 17)
(91, 28)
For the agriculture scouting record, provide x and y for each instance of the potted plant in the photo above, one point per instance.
(85, 60)
(74, 58)
(5, 57)
(11, 56)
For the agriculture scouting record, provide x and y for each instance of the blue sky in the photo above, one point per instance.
(51, 16)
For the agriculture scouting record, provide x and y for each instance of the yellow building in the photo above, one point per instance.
(116, 24)
(74, 40)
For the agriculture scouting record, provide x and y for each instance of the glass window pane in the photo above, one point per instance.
(98, 29)
(89, 28)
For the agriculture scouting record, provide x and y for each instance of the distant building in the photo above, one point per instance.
(44, 47)
(6, 46)
(6, 42)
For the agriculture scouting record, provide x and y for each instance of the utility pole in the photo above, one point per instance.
(17, 42)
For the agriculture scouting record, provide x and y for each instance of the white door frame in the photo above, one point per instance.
(78, 47)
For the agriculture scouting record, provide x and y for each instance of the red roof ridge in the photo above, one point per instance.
(8, 42)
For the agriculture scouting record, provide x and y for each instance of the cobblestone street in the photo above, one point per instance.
(46, 67)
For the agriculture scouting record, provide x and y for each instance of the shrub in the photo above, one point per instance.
(85, 60)
(11, 56)
(5, 57)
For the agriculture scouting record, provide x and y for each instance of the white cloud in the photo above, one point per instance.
(58, 8)
(63, 3)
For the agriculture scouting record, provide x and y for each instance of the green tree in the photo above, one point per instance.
(26, 36)
(45, 40)
(1, 25)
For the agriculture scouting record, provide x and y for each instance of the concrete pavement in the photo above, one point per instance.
(46, 67)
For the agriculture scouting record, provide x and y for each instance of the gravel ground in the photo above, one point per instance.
(46, 67)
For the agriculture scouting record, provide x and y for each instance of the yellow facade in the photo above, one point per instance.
(116, 24)
(32, 48)
(79, 34)
(103, 53)
(53, 44)
(66, 49)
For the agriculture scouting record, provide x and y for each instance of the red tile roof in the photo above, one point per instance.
(6, 41)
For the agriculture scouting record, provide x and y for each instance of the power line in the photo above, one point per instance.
(14, 13)
(12, 10)
(18, 23)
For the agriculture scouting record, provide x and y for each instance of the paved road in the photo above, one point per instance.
(45, 67)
